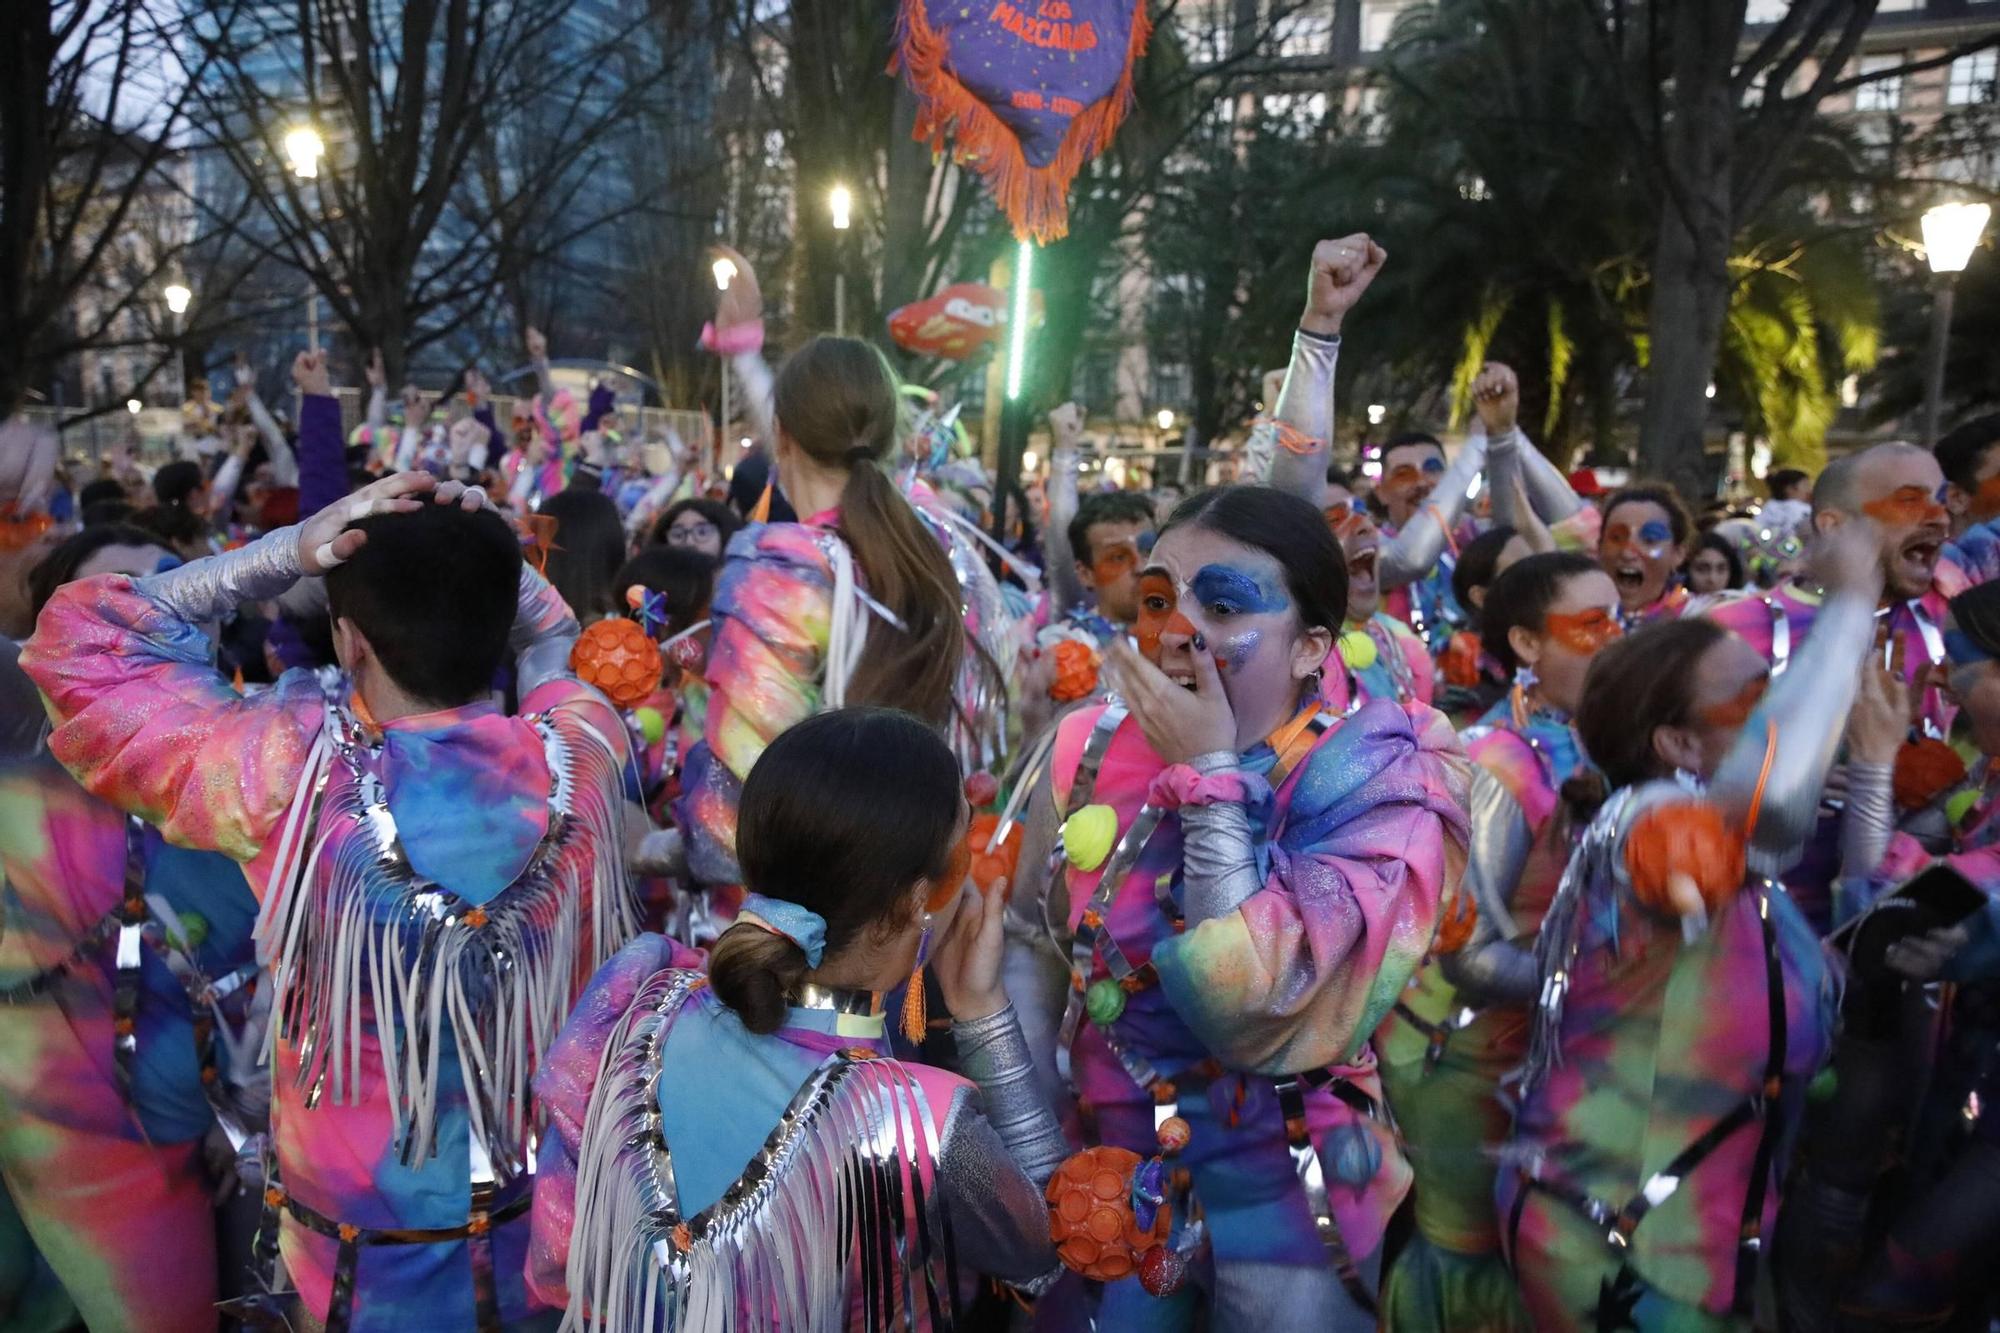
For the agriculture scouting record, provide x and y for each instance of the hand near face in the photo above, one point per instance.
(967, 961)
(1180, 724)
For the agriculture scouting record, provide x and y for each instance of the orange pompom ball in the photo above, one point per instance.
(1460, 663)
(1684, 837)
(618, 658)
(1090, 1215)
(1925, 770)
(1075, 671)
(991, 865)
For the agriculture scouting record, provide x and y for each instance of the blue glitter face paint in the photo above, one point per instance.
(1237, 650)
(1655, 533)
(1225, 590)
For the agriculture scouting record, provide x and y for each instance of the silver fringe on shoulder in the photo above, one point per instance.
(359, 945)
(844, 1189)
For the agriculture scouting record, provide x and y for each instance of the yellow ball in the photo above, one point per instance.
(1088, 836)
(1357, 649)
(651, 725)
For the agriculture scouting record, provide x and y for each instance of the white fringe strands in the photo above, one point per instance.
(1599, 853)
(844, 1188)
(351, 935)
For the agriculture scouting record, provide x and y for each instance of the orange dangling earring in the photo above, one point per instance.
(1525, 681)
(916, 1019)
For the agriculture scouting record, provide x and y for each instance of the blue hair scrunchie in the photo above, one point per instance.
(801, 925)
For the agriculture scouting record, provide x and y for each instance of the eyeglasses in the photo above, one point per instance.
(693, 534)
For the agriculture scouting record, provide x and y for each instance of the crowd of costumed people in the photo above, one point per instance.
(466, 875)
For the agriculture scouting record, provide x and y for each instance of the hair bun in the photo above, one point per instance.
(859, 454)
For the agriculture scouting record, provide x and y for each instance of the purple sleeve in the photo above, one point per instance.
(495, 446)
(322, 454)
(602, 400)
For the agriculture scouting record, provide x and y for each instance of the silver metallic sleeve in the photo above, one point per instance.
(204, 589)
(539, 655)
(1306, 404)
(1058, 558)
(1412, 552)
(754, 383)
(999, 1220)
(1035, 971)
(1503, 474)
(1218, 856)
(993, 1053)
(1491, 967)
(1809, 704)
(1868, 819)
(378, 407)
(1549, 491)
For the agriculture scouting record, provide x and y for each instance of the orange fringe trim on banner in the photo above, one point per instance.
(1035, 199)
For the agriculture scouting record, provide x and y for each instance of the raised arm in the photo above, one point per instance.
(538, 357)
(1058, 558)
(322, 459)
(1303, 416)
(378, 393)
(1806, 708)
(284, 467)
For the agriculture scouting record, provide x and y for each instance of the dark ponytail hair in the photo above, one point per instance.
(1637, 685)
(1521, 597)
(1475, 567)
(842, 814)
(836, 399)
(1287, 529)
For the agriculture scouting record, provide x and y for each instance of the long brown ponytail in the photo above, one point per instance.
(836, 399)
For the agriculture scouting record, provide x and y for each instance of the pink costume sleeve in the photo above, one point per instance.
(144, 720)
(563, 1085)
(772, 617)
(1370, 836)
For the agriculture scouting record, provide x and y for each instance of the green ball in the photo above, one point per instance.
(1824, 1084)
(196, 926)
(1104, 1002)
(651, 725)
(1959, 805)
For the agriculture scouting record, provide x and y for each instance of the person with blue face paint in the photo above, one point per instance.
(1642, 547)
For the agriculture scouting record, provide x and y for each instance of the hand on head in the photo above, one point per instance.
(328, 538)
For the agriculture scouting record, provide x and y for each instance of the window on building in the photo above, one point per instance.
(1378, 20)
(1204, 26)
(1305, 29)
(1369, 120)
(1890, 6)
(1971, 79)
(1882, 94)
(1766, 11)
(1296, 113)
(1172, 385)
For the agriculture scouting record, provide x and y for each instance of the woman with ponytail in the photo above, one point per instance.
(857, 604)
(1684, 1003)
(860, 1167)
(1452, 1037)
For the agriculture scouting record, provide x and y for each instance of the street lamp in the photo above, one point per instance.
(840, 201)
(304, 148)
(1164, 419)
(133, 405)
(723, 269)
(178, 297)
(1951, 231)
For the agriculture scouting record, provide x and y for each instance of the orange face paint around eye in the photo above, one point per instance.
(1156, 608)
(1583, 631)
(1115, 562)
(1905, 506)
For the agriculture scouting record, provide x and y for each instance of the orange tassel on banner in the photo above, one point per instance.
(1035, 199)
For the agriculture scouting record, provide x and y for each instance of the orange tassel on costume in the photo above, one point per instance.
(915, 1019)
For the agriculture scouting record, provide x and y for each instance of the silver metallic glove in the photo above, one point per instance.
(202, 590)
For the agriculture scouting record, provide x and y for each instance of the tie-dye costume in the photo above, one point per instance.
(968, 1160)
(1403, 669)
(396, 869)
(784, 592)
(103, 1099)
(1669, 1060)
(1452, 1040)
(1257, 1018)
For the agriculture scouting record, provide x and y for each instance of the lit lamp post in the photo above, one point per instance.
(178, 297)
(724, 270)
(1950, 233)
(840, 201)
(304, 148)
